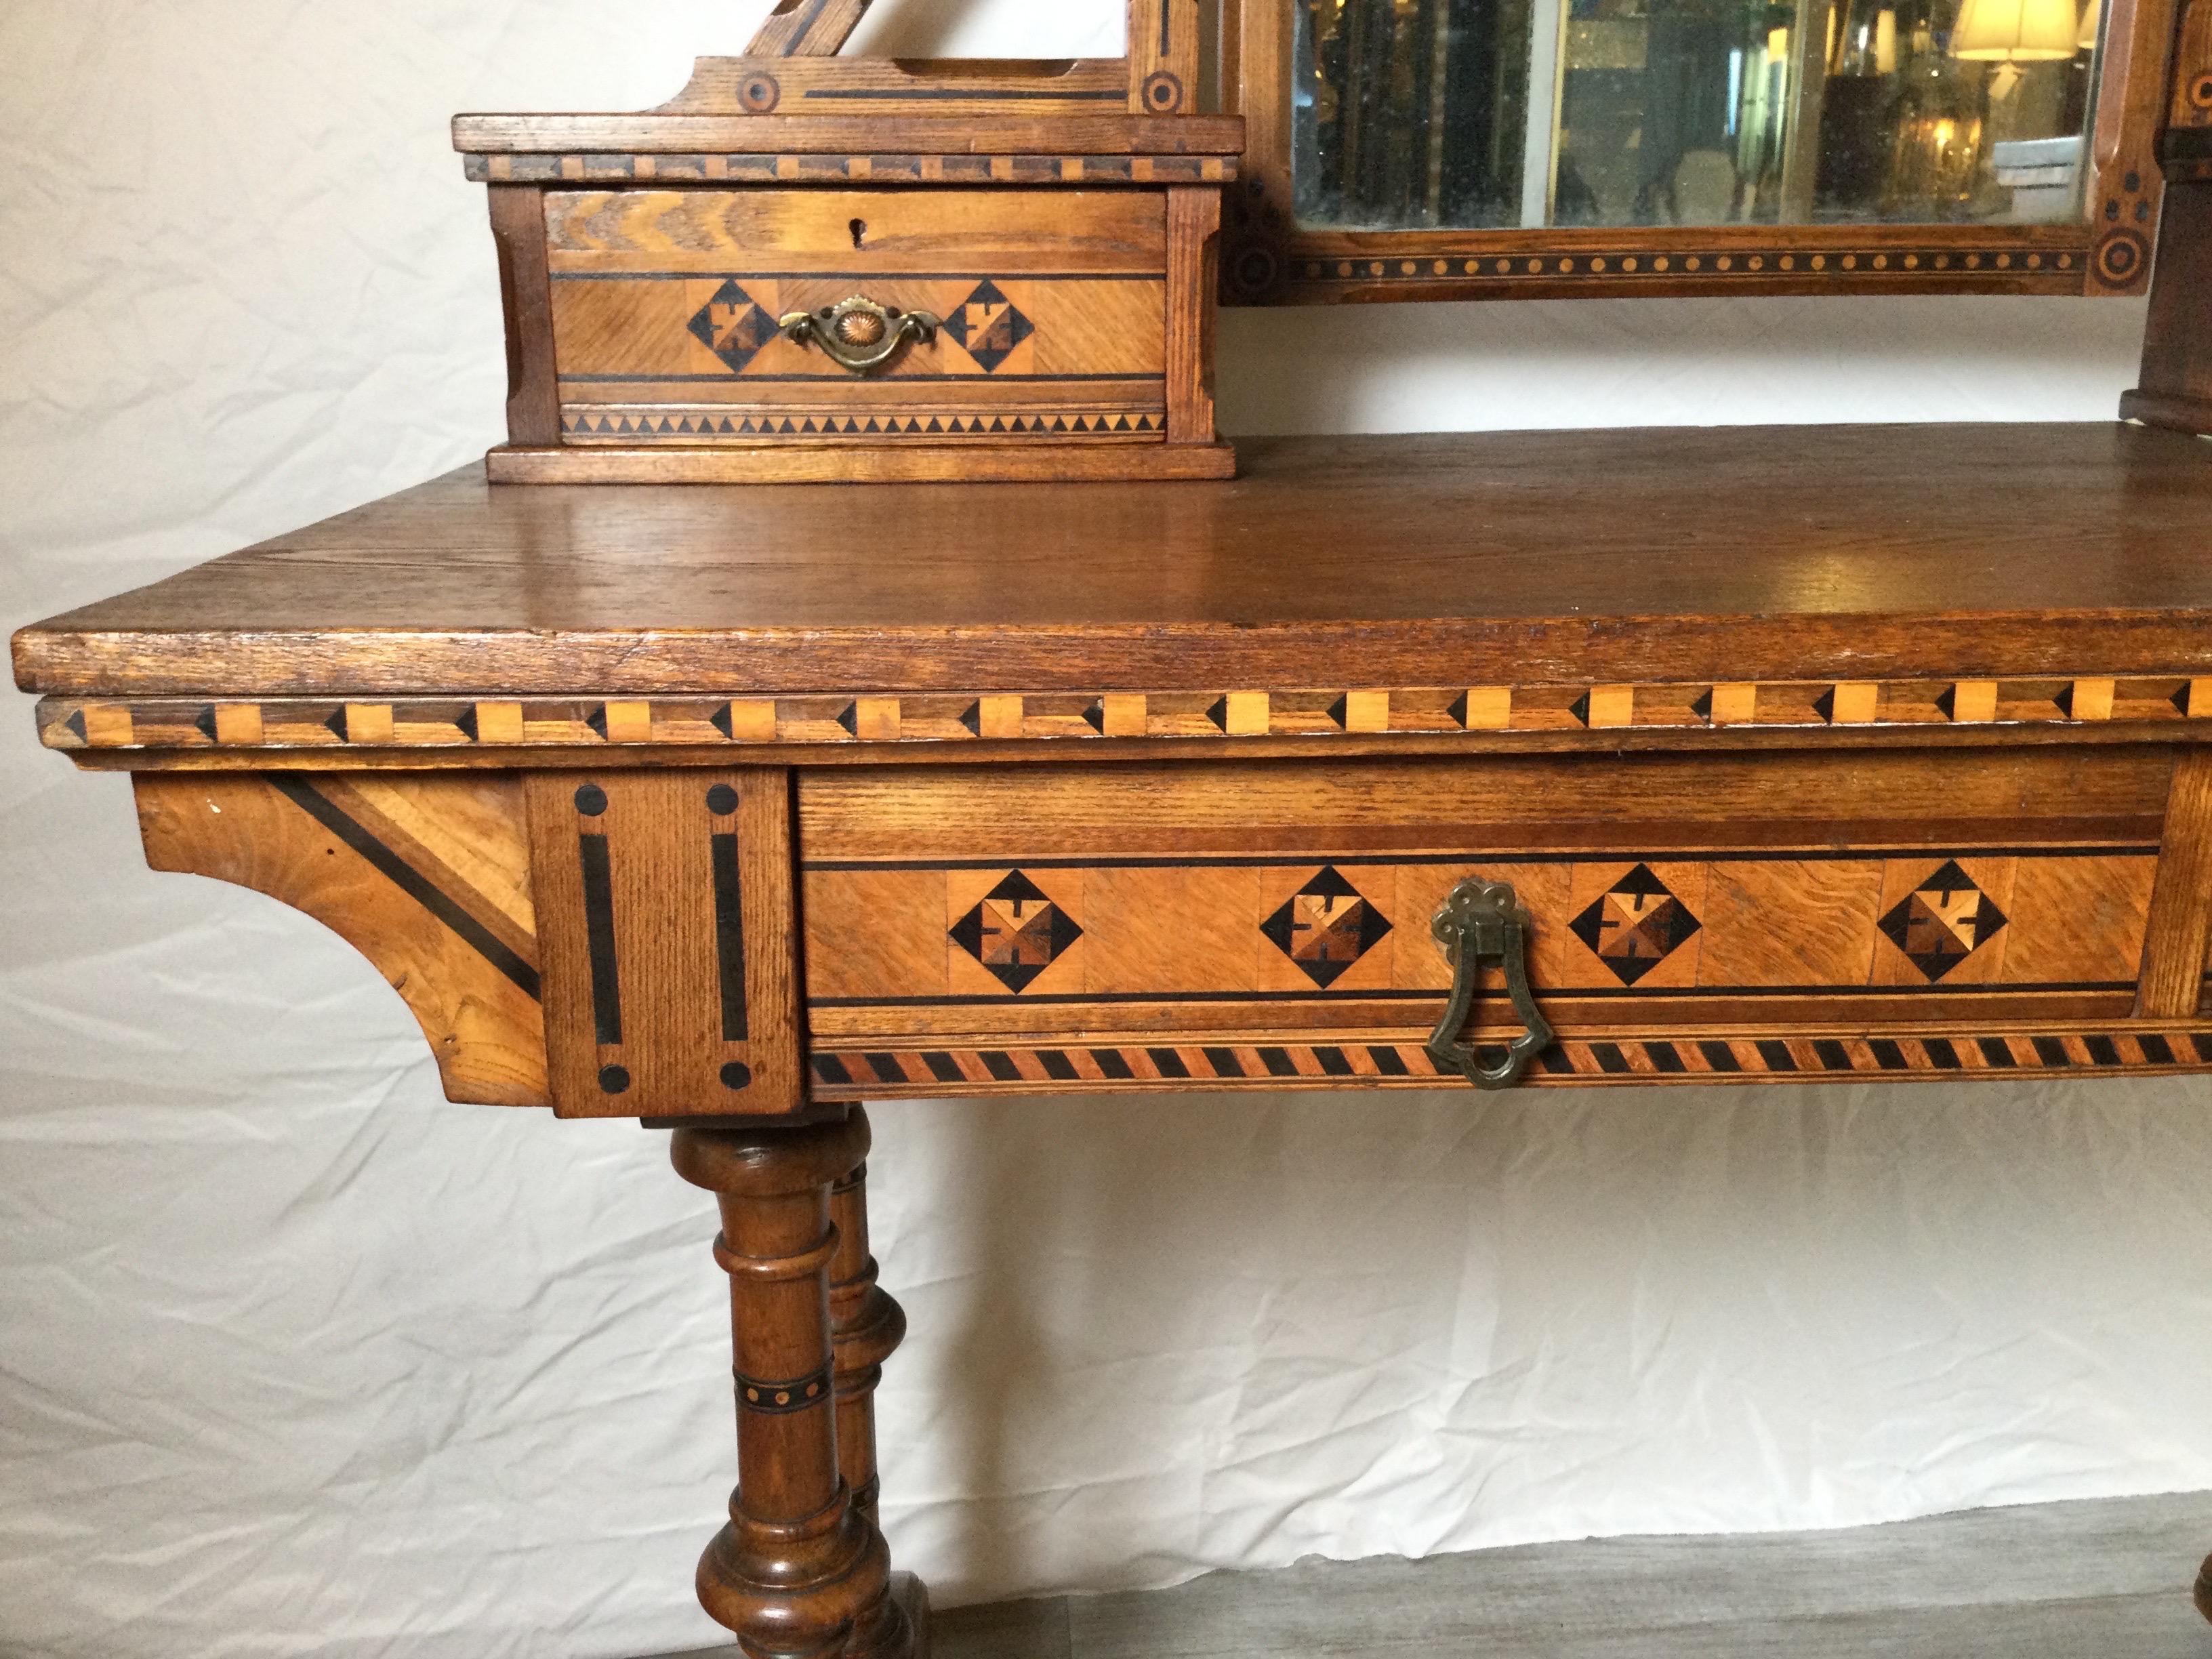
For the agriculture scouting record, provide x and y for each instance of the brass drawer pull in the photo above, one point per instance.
(858, 334)
(1482, 923)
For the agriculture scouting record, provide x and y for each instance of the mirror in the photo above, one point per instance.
(1494, 114)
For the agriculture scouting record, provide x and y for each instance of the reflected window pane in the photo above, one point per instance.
(1483, 113)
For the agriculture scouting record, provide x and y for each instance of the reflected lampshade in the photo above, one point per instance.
(2016, 32)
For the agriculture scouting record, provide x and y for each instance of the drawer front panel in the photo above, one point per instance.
(1258, 905)
(666, 308)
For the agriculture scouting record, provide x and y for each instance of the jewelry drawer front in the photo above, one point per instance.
(1043, 926)
(1050, 309)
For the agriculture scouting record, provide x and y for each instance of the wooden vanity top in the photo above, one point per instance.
(1741, 553)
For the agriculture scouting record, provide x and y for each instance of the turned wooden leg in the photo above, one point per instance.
(866, 1326)
(800, 1572)
(2204, 1588)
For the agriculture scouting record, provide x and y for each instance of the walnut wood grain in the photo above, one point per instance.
(834, 134)
(2180, 942)
(534, 399)
(800, 1571)
(2124, 191)
(799, 28)
(931, 88)
(2175, 389)
(1917, 553)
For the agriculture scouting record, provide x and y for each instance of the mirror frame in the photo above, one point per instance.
(1268, 258)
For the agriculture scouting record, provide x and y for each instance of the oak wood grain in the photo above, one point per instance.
(2178, 953)
(427, 877)
(1931, 553)
(797, 28)
(665, 904)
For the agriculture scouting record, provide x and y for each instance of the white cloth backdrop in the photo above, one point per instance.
(297, 1359)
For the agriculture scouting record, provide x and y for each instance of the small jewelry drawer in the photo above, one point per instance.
(680, 317)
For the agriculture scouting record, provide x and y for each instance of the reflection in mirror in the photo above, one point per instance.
(1481, 114)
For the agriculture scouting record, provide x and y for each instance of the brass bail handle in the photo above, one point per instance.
(859, 335)
(1482, 924)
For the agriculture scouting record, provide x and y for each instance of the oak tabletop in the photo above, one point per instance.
(1754, 552)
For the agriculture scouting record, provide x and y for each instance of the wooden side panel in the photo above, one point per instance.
(2176, 386)
(428, 876)
(2126, 190)
(665, 903)
(1164, 56)
(2180, 947)
(1194, 277)
(533, 402)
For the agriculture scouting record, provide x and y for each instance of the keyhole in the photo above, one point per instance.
(859, 231)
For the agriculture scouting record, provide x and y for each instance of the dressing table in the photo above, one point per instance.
(1481, 762)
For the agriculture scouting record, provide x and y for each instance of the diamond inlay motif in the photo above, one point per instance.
(1943, 921)
(1016, 932)
(1636, 924)
(732, 327)
(1325, 927)
(990, 327)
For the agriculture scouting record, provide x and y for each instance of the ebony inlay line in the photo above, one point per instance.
(411, 881)
(954, 94)
(1576, 1057)
(1563, 993)
(729, 938)
(797, 34)
(1680, 855)
(599, 926)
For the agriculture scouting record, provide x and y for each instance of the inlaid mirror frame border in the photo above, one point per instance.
(1270, 259)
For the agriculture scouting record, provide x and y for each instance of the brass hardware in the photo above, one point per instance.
(858, 334)
(1483, 925)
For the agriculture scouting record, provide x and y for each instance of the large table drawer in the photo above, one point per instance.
(1224, 923)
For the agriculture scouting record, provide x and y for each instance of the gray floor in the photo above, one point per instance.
(2102, 1580)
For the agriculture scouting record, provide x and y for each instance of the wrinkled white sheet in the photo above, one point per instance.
(295, 1358)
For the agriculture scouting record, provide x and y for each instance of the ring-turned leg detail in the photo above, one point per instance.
(800, 1572)
(866, 1326)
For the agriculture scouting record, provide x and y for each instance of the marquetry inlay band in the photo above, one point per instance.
(876, 169)
(1931, 262)
(68, 723)
(874, 1074)
(778, 1398)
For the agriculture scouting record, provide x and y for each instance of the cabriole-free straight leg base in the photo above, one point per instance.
(801, 1571)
